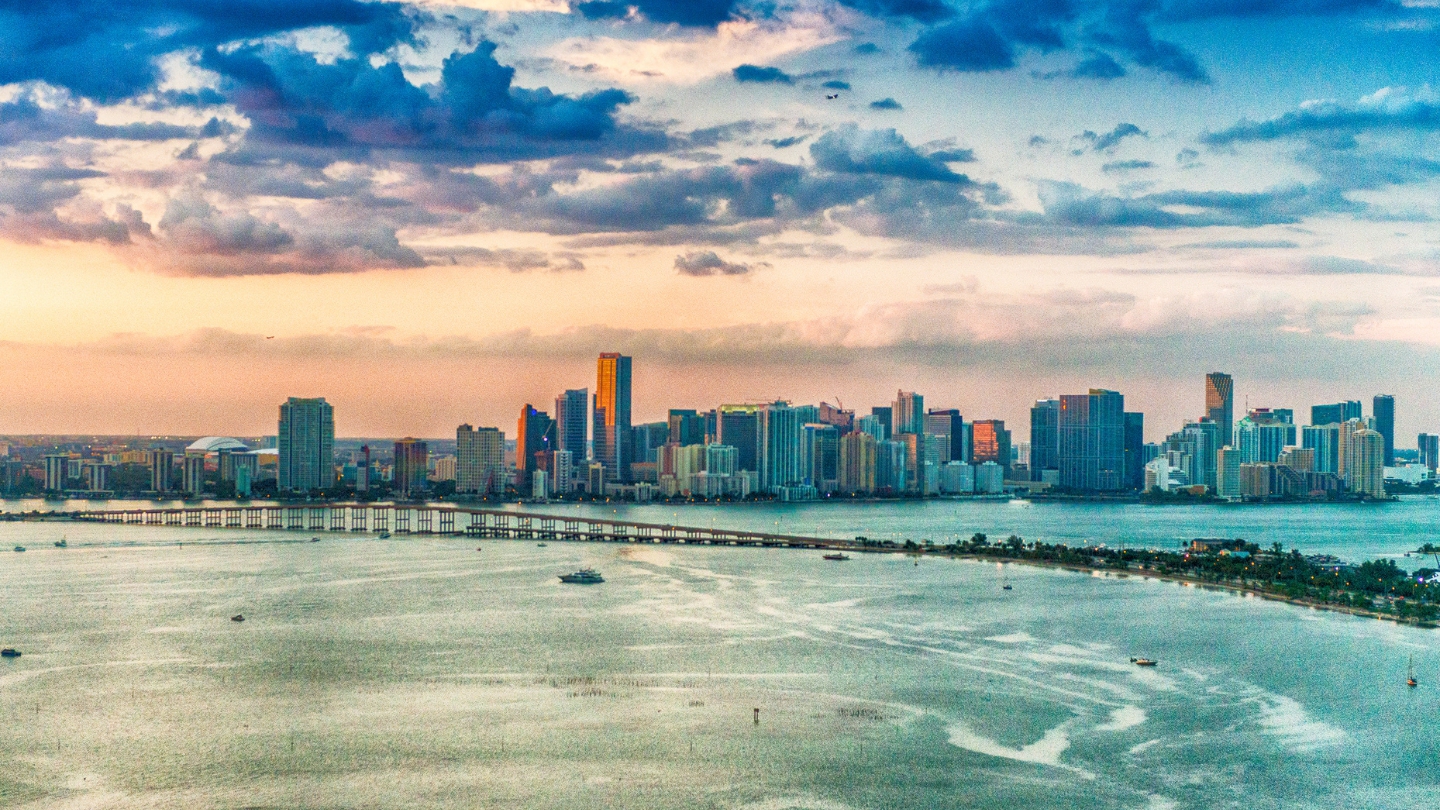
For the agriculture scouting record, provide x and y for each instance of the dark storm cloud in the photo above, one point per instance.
(761, 75)
(106, 50)
(967, 46)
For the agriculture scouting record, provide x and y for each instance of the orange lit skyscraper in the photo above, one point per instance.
(1220, 405)
(611, 433)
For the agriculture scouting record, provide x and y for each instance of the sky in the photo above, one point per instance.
(434, 212)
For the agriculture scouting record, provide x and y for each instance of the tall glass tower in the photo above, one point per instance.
(612, 415)
(307, 445)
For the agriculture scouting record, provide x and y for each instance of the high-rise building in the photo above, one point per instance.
(947, 422)
(1428, 445)
(1135, 450)
(534, 433)
(1227, 472)
(1092, 441)
(57, 467)
(479, 460)
(837, 416)
(1348, 429)
(720, 459)
(907, 413)
(1044, 437)
(820, 455)
(739, 427)
(1220, 405)
(646, 439)
(1324, 440)
(1336, 413)
(409, 477)
(686, 427)
(890, 467)
(1299, 459)
(990, 442)
(162, 462)
(362, 469)
(1262, 434)
(1365, 463)
(612, 415)
(571, 422)
(857, 463)
(870, 424)
(1383, 412)
(780, 450)
(307, 445)
(884, 414)
(192, 475)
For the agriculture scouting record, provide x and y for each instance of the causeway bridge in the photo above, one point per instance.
(421, 519)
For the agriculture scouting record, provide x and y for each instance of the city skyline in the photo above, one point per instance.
(1122, 197)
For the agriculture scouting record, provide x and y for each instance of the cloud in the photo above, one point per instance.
(953, 155)
(708, 263)
(516, 261)
(921, 10)
(836, 84)
(1118, 166)
(1098, 65)
(1337, 125)
(967, 46)
(1109, 140)
(784, 143)
(25, 119)
(1244, 244)
(852, 150)
(763, 75)
(886, 104)
(706, 13)
(1069, 204)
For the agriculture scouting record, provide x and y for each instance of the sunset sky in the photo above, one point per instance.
(434, 212)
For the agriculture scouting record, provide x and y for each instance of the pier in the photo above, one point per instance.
(402, 519)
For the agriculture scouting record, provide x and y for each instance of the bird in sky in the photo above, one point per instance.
(269, 337)
(832, 96)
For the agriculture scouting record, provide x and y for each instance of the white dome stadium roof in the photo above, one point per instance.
(212, 444)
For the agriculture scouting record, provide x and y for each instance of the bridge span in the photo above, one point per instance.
(440, 520)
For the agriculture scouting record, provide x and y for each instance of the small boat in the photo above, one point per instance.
(1143, 662)
(61, 543)
(314, 539)
(384, 535)
(540, 545)
(585, 576)
(238, 617)
(1007, 587)
(1410, 675)
(9, 652)
(836, 557)
(19, 548)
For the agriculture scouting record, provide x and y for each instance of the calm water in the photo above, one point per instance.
(422, 673)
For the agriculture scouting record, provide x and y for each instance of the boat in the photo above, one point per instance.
(238, 617)
(314, 539)
(540, 545)
(9, 652)
(1143, 662)
(1410, 675)
(19, 548)
(384, 535)
(837, 557)
(585, 576)
(1007, 587)
(61, 543)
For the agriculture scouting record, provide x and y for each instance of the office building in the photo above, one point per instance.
(885, 414)
(1134, 451)
(820, 456)
(362, 469)
(990, 441)
(611, 415)
(1220, 405)
(479, 460)
(192, 475)
(410, 476)
(306, 441)
(1263, 433)
(739, 427)
(839, 417)
(534, 433)
(571, 422)
(1428, 446)
(1300, 459)
(646, 440)
(871, 425)
(780, 457)
(1092, 441)
(907, 413)
(1383, 414)
(1324, 441)
(890, 467)
(162, 463)
(686, 427)
(857, 463)
(1044, 437)
(1336, 413)
(1365, 463)
(1227, 472)
(57, 471)
(948, 424)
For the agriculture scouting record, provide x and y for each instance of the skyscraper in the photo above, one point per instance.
(412, 460)
(907, 413)
(779, 462)
(949, 423)
(1092, 441)
(884, 414)
(1220, 405)
(1262, 434)
(1383, 410)
(479, 460)
(612, 415)
(1044, 437)
(1429, 446)
(857, 463)
(362, 469)
(1336, 413)
(161, 463)
(307, 445)
(1135, 450)
(991, 442)
(535, 433)
(739, 427)
(1365, 463)
(1325, 441)
(686, 427)
(571, 423)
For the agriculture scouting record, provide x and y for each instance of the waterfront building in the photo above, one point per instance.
(907, 413)
(948, 424)
(686, 427)
(676, 465)
(739, 427)
(1256, 480)
(1263, 433)
(989, 478)
(884, 413)
(857, 463)
(835, 415)
(57, 471)
(1220, 405)
(244, 480)
(96, 475)
(1348, 429)
(1044, 437)
(957, 478)
(362, 469)
(572, 421)
(1157, 474)
(1227, 472)
(720, 459)
(890, 467)
(1428, 446)
(611, 415)
(1324, 440)
(410, 475)
(445, 468)
(1383, 413)
(1134, 450)
(479, 460)
(1365, 463)
(162, 463)
(990, 442)
(820, 455)
(646, 440)
(871, 425)
(558, 466)
(1300, 459)
(192, 475)
(306, 441)
(595, 480)
(1336, 413)
(780, 451)
(534, 433)
(1092, 441)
